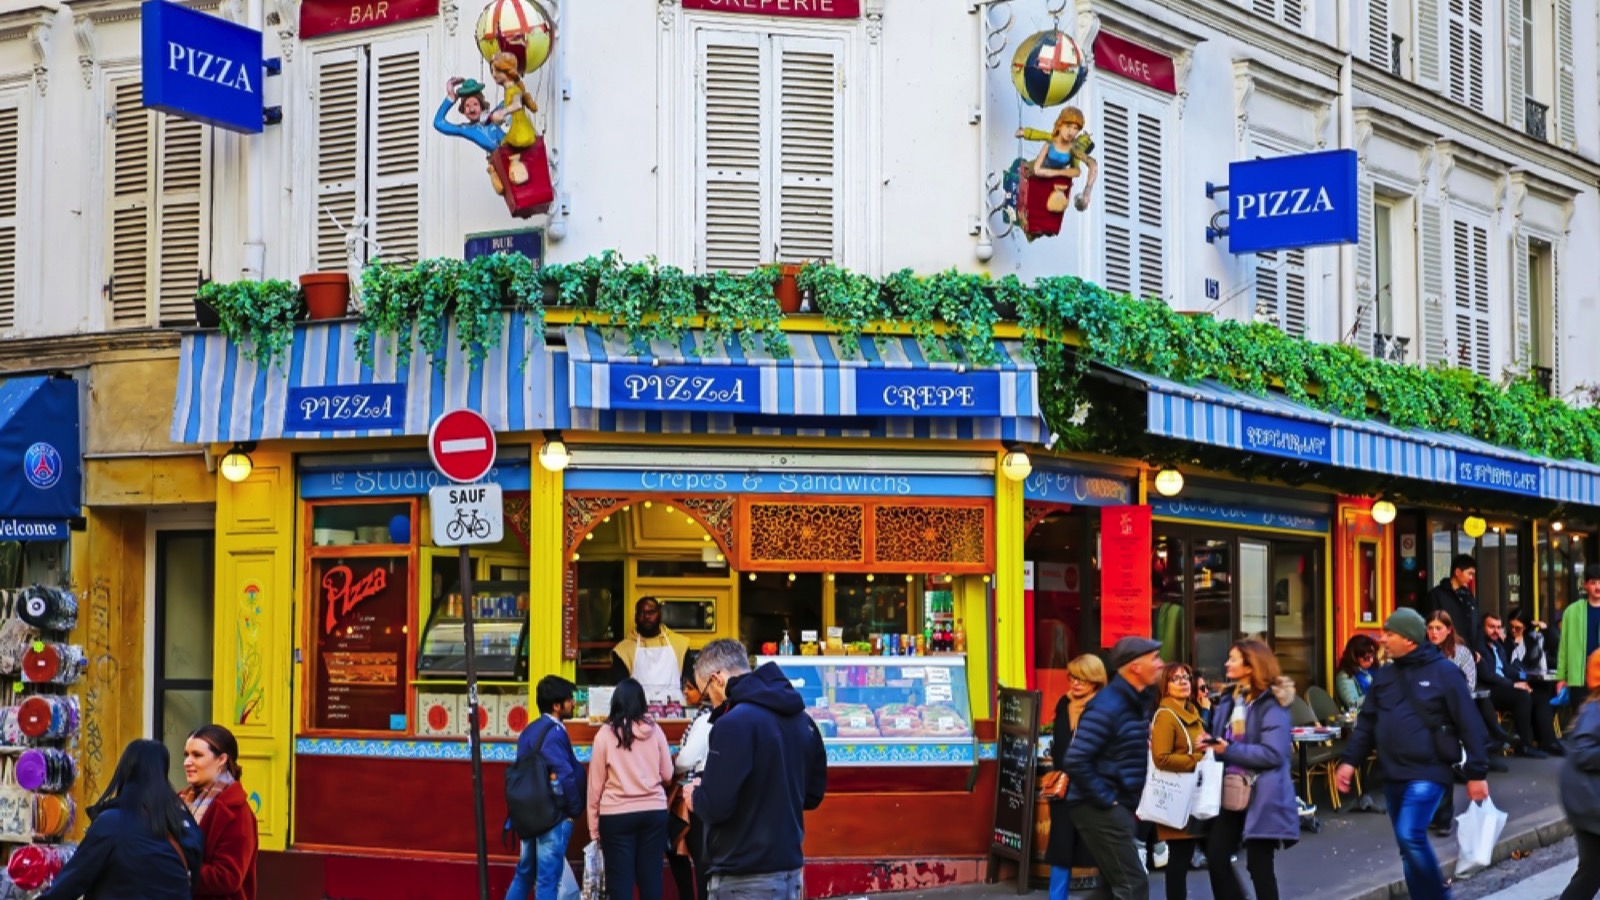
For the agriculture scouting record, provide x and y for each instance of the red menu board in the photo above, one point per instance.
(1124, 573)
(361, 616)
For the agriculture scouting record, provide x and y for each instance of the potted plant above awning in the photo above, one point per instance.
(327, 294)
(259, 316)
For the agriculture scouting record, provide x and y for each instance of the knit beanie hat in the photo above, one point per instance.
(1407, 623)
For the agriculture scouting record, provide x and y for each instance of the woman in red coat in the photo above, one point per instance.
(218, 803)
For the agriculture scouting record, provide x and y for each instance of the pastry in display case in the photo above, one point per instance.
(886, 710)
(500, 627)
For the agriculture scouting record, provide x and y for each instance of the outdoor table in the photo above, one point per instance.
(1304, 737)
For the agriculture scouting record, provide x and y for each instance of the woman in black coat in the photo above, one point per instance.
(1086, 675)
(141, 843)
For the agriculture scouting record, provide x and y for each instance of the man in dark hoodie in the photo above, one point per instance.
(1453, 595)
(765, 769)
(1420, 718)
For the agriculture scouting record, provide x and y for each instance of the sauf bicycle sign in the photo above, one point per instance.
(466, 514)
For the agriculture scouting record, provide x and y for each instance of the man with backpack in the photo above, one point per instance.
(544, 793)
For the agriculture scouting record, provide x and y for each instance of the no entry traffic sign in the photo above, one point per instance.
(461, 445)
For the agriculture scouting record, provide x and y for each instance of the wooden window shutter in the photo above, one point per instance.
(1430, 249)
(730, 153)
(183, 220)
(1516, 48)
(395, 122)
(1427, 39)
(1116, 156)
(10, 177)
(133, 141)
(341, 84)
(809, 144)
(1380, 43)
(1566, 90)
(1522, 337)
(1281, 285)
(1368, 290)
(1556, 338)
(1464, 31)
(1152, 205)
(1470, 243)
(1285, 12)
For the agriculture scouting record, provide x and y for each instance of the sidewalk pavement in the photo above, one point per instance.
(1354, 857)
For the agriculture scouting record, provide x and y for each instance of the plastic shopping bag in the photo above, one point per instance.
(1208, 791)
(1477, 830)
(569, 883)
(1167, 797)
(594, 872)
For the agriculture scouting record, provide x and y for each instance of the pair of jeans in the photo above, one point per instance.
(1444, 816)
(1585, 883)
(1060, 882)
(542, 864)
(1223, 839)
(1411, 805)
(635, 846)
(790, 885)
(1112, 836)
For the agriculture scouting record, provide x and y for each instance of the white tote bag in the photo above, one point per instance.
(1477, 830)
(1208, 792)
(1168, 795)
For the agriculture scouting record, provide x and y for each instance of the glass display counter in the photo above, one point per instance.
(886, 710)
(500, 626)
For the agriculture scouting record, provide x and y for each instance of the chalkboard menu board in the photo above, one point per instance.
(361, 639)
(1012, 834)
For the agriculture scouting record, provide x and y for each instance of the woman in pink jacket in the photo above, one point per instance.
(628, 773)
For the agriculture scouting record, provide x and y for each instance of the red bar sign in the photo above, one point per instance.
(336, 16)
(1124, 573)
(794, 9)
(1134, 62)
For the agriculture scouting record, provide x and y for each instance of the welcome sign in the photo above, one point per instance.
(1289, 202)
(201, 67)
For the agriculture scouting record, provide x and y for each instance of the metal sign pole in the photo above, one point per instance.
(474, 736)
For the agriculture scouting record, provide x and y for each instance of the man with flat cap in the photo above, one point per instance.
(1580, 635)
(1106, 767)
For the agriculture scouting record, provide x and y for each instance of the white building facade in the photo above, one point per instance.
(721, 139)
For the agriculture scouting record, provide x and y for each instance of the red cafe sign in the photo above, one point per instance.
(1135, 63)
(342, 592)
(794, 9)
(335, 16)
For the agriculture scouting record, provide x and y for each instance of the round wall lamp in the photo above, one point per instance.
(1383, 512)
(237, 465)
(1474, 526)
(1556, 526)
(1016, 465)
(1169, 482)
(554, 455)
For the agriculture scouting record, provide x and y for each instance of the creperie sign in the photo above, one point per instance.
(342, 592)
(796, 9)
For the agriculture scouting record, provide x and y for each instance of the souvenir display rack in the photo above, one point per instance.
(39, 727)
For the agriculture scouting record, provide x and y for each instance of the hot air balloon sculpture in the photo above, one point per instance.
(1039, 191)
(1048, 68)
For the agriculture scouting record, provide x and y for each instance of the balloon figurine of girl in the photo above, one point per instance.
(519, 107)
(1063, 157)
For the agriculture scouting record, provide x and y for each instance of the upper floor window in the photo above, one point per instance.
(1132, 151)
(1470, 336)
(369, 151)
(1289, 13)
(1465, 46)
(10, 184)
(1539, 53)
(770, 141)
(160, 212)
(1540, 296)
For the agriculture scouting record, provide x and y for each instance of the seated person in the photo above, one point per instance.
(1507, 683)
(1357, 665)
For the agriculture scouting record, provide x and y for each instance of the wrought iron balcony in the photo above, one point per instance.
(1396, 52)
(1535, 119)
(1389, 348)
(1546, 379)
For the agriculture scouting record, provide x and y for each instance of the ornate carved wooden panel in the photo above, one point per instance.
(802, 532)
(929, 534)
(716, 515)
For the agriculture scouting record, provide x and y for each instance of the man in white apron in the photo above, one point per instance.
(653, 654)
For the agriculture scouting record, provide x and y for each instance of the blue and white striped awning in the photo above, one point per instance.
(322, 389)
(721, 387)
(1212, 413)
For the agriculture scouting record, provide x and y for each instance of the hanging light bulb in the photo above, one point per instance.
(1474, 526)
(872, 578)
(1169, 482)
(791, 576)
(752, 576)
(830, 576)
(237, 465)
(554, 455)
(1557, 526)
(1383, 512)
(1016, 465)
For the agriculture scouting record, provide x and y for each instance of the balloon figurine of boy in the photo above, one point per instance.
(1042, 188)
(483, 126)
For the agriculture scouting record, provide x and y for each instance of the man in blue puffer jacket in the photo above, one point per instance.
(1420, 718)
(1106, 767)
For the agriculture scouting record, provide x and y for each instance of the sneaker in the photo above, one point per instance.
(1444, 831)
(1159, 855)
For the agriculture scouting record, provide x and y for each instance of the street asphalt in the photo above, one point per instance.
(1354, 856)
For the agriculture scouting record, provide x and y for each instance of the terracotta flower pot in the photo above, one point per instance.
(788, 289)
(327, 294)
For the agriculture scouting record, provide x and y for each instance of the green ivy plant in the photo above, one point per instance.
(745, 308)
(258, 316)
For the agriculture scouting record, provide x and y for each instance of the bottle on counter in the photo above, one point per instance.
(786, 646)
(959, 643)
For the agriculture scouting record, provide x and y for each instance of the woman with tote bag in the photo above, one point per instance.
(1258, 805)
(1177, 744)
